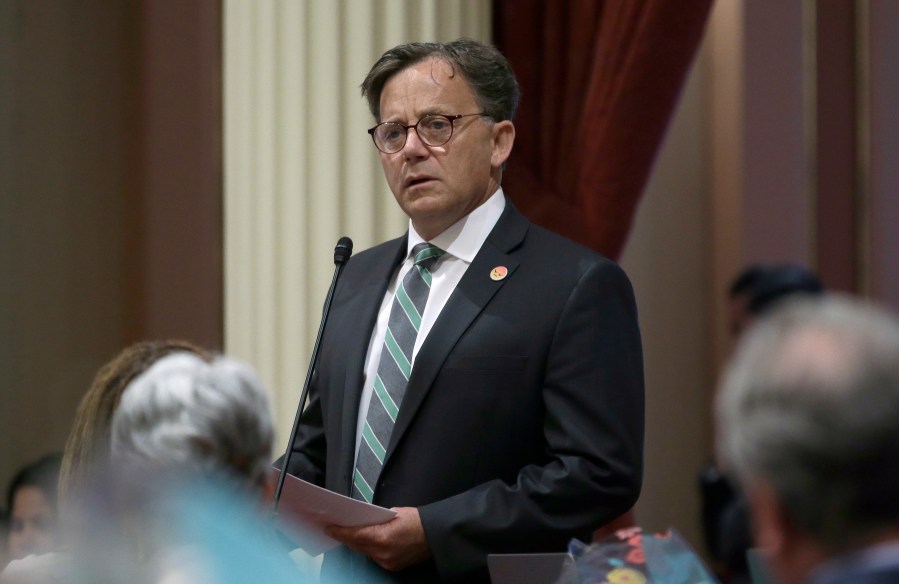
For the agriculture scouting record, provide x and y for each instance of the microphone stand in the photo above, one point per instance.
(342, 253)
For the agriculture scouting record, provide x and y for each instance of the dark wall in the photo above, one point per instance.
(110, 197)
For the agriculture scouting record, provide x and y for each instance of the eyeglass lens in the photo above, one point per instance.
(433, 130)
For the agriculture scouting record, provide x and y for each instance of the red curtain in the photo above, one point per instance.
(600, 79)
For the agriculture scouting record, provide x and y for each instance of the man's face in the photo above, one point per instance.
(438, 185)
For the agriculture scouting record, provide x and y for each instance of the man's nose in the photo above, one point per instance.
(414, 147)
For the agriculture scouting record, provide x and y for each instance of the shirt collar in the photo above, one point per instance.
(464, 238)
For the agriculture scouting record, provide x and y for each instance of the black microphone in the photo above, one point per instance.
(342, 253)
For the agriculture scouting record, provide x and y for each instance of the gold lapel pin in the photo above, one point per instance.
(498, 273)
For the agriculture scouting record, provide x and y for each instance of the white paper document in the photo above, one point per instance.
(304, 509)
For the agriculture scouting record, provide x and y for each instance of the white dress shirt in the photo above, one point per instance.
(461, 242)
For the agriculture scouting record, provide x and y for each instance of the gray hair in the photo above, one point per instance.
(187, 415)
(486, 70)
(810, 405)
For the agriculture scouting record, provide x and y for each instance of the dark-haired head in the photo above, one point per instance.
(760, 287)
(486, 70)
(32, 502)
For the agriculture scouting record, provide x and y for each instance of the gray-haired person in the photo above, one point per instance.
(192, 416)
(197, 435)
(191, 449)
(808, 418)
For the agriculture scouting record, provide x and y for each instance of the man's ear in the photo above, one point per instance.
(503, 138)
(771, 526)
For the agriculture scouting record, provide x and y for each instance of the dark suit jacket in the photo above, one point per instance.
(861, 568)
(522, 424)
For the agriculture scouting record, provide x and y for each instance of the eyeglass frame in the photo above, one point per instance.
(451, 118)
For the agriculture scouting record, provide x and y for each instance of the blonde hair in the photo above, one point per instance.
(88, 445)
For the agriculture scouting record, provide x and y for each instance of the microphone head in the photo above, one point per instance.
(343, 251)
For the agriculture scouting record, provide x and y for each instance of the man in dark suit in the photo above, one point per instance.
(489, 388)
(808, 418)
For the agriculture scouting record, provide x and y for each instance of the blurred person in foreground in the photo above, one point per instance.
(808, 418)
(192, 441)
(178, 502)
(480, 375)
(33, 510)
(86, 455)
(89, 442)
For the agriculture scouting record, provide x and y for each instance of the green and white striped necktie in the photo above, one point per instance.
(394, 369)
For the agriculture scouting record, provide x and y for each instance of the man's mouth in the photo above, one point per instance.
(415, 181)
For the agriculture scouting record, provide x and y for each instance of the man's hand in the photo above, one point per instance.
(394, 545)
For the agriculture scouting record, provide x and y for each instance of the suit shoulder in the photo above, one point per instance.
(564, 249)
(377, 253)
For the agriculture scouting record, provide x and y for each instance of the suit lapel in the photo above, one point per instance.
(472, 294)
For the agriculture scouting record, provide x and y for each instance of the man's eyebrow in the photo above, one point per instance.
(432, 111)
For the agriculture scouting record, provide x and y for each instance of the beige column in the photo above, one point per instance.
(762, 163)
(300, 170)
(879, 144)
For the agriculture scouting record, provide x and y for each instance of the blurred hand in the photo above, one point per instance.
(394, 545)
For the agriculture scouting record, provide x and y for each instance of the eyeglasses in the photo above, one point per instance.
(432, 129)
